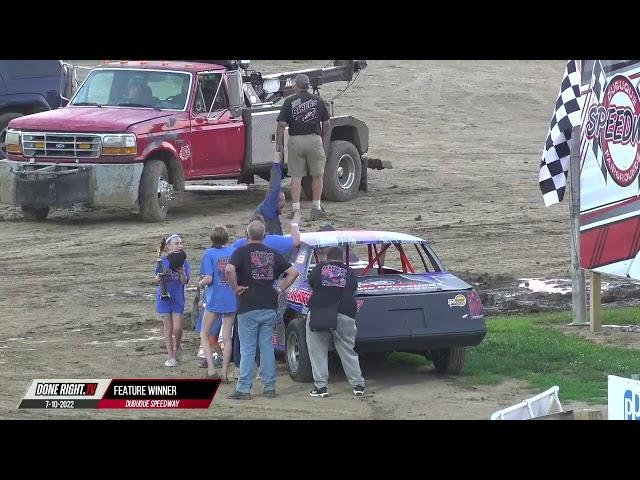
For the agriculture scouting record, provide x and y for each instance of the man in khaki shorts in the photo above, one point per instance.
(308, 120)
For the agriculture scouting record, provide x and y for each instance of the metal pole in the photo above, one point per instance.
(578, 289)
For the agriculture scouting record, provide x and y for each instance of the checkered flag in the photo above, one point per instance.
(555, 157)
(597, 88)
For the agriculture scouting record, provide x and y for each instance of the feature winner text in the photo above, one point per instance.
(145, 391)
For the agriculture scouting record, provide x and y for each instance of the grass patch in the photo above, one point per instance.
(610, 316)
(523, 347)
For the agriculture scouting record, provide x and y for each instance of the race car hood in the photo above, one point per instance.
(87, 119)
(410, 283)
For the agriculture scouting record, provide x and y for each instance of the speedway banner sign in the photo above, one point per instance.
(610, 167)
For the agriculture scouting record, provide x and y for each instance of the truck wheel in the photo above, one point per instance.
(5, 118)
(298, 362)
(155, 191)
(342, 172)
(35, 214)
(448, 360)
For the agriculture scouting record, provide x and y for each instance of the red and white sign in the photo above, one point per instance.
(610, 168)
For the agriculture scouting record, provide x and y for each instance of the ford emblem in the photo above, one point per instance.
(59, 145)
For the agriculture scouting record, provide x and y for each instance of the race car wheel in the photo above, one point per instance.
(448, 360)
(297, 355)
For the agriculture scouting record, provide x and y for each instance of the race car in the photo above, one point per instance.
(406, 301)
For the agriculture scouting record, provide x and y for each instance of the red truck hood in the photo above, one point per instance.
(87, 119)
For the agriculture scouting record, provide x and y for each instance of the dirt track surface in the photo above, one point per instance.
(465, 139)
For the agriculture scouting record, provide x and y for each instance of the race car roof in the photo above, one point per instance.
(352, 237)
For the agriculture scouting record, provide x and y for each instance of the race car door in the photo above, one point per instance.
(217, 139)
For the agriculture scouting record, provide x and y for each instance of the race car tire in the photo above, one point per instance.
(297, 355)
(448, 360)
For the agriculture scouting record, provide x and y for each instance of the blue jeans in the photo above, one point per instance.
(255, 328)
(236, 346)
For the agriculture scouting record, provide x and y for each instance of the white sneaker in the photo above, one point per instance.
(200, 353)
(172, 362)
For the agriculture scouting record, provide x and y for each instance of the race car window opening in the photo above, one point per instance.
(293, 254)
(433, 259)
(402, 259)
(426, 268)
(374, 259)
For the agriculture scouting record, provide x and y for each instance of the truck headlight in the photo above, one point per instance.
(12, 142)
(124, 144)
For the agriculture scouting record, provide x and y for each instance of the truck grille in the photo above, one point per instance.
(60, 145)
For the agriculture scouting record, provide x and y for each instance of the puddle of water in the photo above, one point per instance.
(545, 286)
(555, 285)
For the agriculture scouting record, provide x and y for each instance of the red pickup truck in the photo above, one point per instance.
(135, 132)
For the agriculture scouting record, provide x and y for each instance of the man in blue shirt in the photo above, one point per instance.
(281, 243)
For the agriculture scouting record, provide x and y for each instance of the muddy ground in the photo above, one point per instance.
(465, 139)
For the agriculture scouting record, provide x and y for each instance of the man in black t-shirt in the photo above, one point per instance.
(308, 141)
(251, 273)
(332, 314)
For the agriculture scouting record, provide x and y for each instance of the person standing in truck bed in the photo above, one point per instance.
(308, 120)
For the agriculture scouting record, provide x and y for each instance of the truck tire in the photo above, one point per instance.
(448, 360)
(5, 118)
(154, 191)
(342, 172)
(297, 355)
(34, 213)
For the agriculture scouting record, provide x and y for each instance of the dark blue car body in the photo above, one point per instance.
(399, 309)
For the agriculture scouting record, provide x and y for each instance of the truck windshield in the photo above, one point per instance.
(135, 89)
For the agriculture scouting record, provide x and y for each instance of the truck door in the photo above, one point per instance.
(217, 139)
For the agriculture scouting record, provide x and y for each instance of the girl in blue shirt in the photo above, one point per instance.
(221, 300)
(171, 309)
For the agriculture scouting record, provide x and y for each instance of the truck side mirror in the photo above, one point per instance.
(236, 94)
